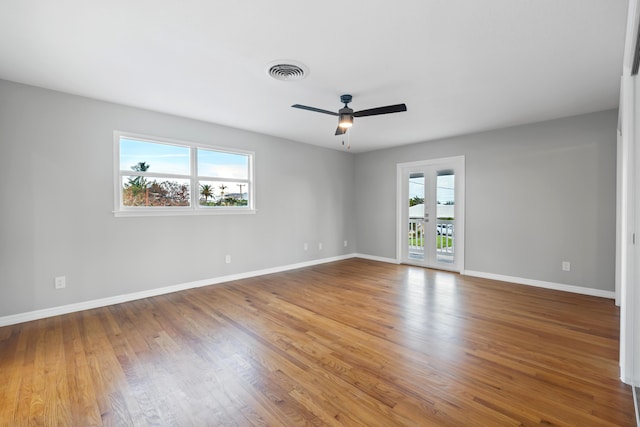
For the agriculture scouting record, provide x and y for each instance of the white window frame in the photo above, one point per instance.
(193, 177)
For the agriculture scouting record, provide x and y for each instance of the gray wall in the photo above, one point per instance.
(56, 185)
(536, 195)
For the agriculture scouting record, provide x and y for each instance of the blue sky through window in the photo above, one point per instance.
(175, 159)
(217, 164)
(162, 158)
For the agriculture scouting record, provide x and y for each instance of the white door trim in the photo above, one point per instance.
(459, 162)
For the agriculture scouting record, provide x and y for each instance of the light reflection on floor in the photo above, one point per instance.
(426, 290)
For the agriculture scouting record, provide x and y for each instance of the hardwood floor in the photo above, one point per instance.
(353, 342)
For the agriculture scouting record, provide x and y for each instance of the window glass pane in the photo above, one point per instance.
(217, 164)
(153, 157)
(150, 191)
(152, 175)
(222, 193)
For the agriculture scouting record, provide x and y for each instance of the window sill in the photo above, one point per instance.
(183, 212)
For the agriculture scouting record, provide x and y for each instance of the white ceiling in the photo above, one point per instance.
(460, 66)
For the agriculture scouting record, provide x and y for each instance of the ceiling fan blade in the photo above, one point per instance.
(381, 110)
(317, 110)
(341, 131)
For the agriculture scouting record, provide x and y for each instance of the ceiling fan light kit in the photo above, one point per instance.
(346, 114)
(346, 118)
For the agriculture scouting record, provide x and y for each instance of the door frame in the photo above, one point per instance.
(458, 163)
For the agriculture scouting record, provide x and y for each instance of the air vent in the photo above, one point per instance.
(287, 70)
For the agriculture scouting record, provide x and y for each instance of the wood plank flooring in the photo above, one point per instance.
(351, 343)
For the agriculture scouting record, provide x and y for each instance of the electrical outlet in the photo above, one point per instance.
(566, 266)
(60, 282)
(320, 246)
(306, 246)
(227, 259)
(345, 243)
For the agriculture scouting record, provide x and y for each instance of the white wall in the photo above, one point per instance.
(512, 177)
(56, 187)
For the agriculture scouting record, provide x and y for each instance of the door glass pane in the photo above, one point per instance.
(416, 216)
(445, 227)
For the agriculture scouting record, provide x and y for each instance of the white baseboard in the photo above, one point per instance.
(377, 258)
(543, 284)
(103, 302)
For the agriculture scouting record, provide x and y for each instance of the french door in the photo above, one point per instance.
(431, 213)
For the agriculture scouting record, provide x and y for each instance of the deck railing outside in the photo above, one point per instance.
(445, 230)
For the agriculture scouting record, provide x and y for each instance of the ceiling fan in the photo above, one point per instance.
(346, 114)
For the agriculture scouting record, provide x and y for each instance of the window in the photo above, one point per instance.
(158, 176)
